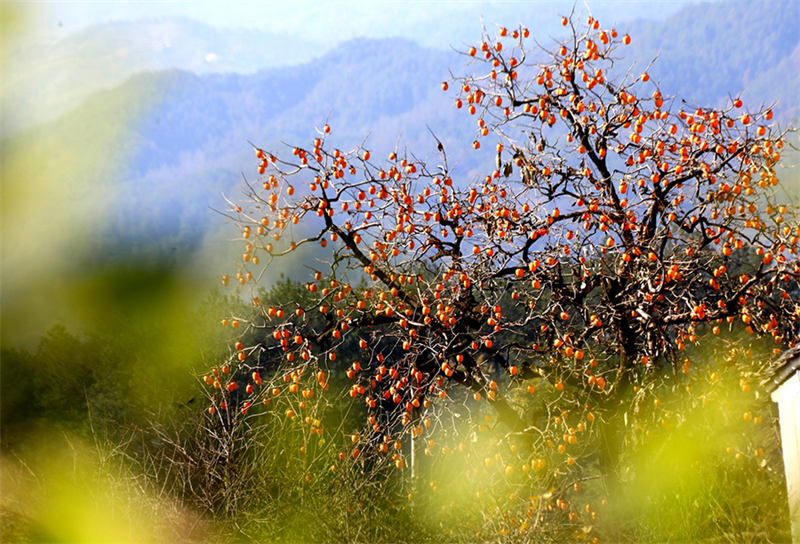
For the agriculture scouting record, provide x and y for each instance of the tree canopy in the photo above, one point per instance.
(615, 227)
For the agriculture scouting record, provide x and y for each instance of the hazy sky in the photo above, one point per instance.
(329, 21)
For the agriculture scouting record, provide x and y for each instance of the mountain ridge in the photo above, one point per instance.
(188, 124)
(135, 171)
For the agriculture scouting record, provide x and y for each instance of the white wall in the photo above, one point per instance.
(788, 398)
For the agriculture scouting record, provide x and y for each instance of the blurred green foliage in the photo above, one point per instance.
(145, 341)
(702, 459)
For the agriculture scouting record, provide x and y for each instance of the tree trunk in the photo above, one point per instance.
(612, 429)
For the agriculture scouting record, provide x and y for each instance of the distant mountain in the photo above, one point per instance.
(136, 169)
(187, 140)
(39, 82)
(709, 52)
(175, 141)
(44, 81)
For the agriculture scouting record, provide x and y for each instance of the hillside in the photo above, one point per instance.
(711, 51)
(47, 74)
(186, 139)
(49, 79)
(199, 126)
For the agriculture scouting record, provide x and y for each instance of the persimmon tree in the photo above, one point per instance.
(616, 226)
